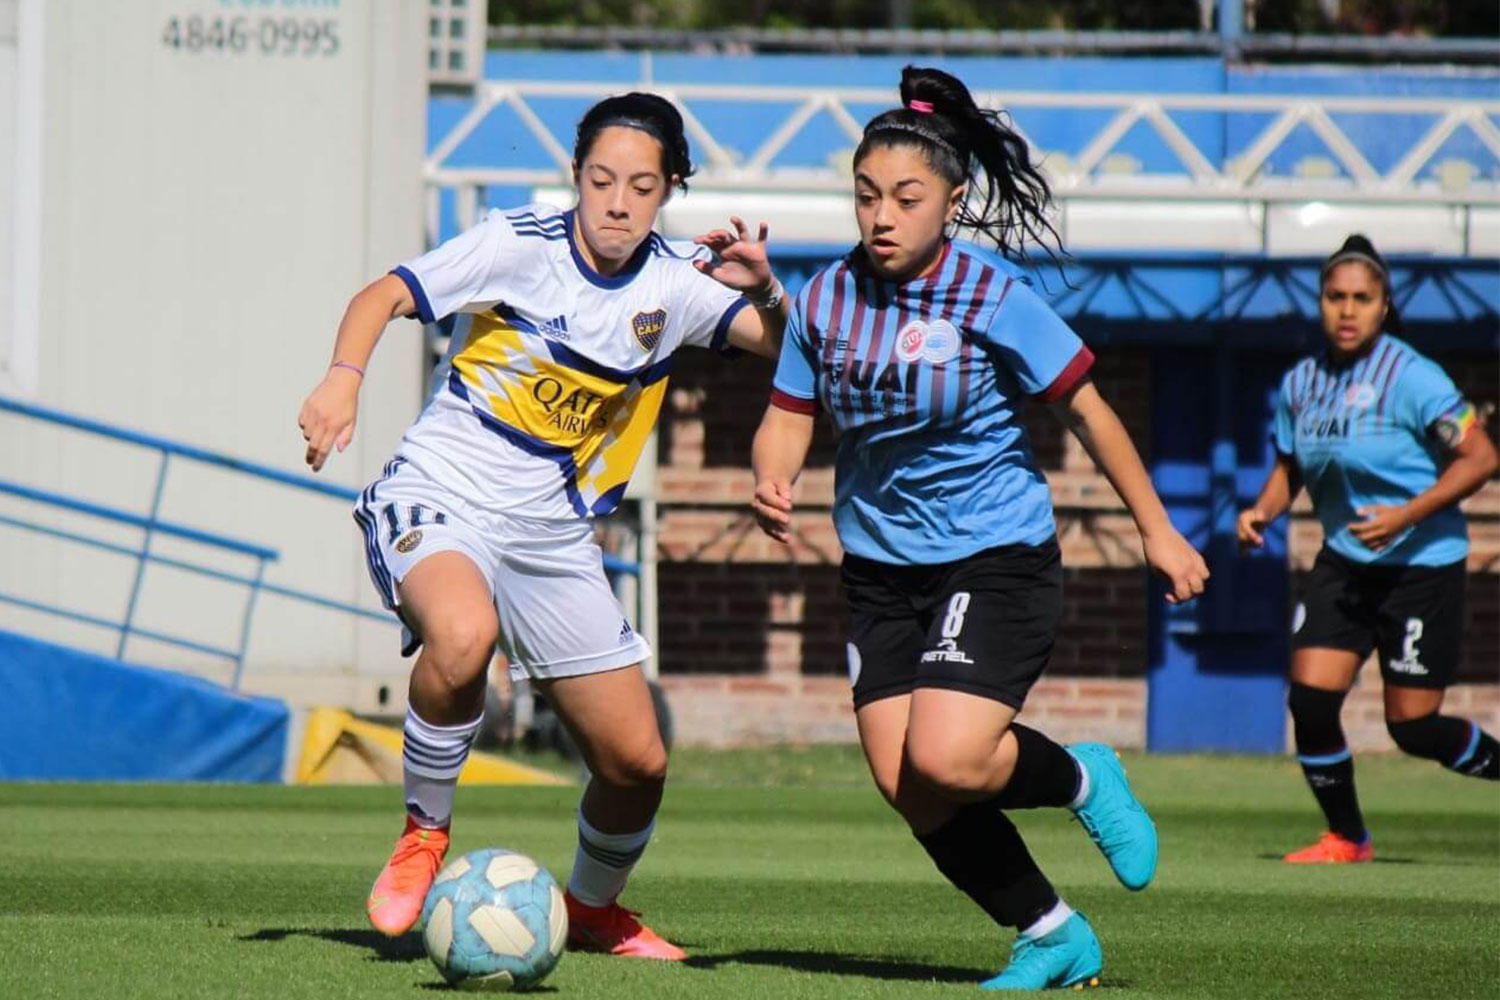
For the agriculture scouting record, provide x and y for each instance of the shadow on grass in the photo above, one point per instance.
(442, 987)
(406, 948)
(844, 965)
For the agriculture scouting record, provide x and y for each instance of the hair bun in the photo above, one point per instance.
(1358, 243)
(946, 93)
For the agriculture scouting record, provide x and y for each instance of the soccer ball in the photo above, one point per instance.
(494, 920)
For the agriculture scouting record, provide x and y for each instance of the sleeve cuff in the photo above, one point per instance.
(418, 295)
(1069, 376)
(793, 404)
(721, 331)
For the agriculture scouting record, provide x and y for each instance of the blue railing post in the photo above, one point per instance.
(255, 587)
(140, 565)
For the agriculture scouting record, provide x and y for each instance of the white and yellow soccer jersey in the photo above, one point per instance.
(555, 373)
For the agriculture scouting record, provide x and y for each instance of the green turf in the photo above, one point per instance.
(782, 873)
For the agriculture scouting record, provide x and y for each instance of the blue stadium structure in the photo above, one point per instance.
(1197, 197)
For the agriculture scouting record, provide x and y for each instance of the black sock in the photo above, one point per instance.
(1045, 773)
(1326, 762)
(1457, 744)
(1484, 762)
(981, 852)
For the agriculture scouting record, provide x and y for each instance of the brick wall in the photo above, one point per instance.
(752, 632)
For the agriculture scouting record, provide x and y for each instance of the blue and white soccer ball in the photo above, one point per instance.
(494, 920)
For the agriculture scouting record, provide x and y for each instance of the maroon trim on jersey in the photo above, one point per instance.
(1069, 376)
(980, 291)
(1402, 362)
(793, 404)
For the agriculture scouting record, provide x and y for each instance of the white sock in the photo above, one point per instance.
(604, 861)
(1083, 786)
(1048, 922)
(431, 757)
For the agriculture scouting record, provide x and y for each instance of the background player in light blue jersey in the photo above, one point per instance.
(1387, 448)
(922, 349)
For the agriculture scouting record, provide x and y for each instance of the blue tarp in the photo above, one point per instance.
(67, 715)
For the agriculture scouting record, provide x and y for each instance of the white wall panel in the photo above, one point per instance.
(220, 176)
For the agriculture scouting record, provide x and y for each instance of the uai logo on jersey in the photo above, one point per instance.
(935, 342)
(648, 327)
(942, 342)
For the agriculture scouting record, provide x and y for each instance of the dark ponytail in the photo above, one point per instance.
(1358, 249)
(656, 116)
(964, 143)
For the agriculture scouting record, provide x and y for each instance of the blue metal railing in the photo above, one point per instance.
(151, 524)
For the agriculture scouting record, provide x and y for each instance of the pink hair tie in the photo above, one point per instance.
(921, 107)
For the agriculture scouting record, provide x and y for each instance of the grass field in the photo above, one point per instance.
(780, 871)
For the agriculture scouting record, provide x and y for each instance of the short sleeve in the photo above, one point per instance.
(1045, 354)
(1283, 422)
(1424, 394)
(465, 274)
(706, 308)
(795, 386)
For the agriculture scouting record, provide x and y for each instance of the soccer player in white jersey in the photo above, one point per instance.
(563, 326)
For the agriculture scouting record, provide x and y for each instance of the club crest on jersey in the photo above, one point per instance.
(1359, 395)
(648, 327)
(935, 342)
(409, 541)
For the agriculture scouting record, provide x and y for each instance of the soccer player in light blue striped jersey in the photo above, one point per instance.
(921, 348)
(1386, 447)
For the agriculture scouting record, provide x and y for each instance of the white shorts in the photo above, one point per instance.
(558, 615)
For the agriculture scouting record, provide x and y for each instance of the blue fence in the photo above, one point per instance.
(152, 524)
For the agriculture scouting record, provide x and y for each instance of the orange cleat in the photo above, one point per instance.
(397, 896)
(1331, 849)
(615, 930)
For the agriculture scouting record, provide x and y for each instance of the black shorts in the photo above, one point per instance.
(1414, 616)
(984, 624)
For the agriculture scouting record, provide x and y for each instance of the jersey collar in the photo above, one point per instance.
(620, 278)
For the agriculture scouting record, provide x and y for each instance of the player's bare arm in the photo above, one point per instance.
(1093, 421)
(740, 263)
(1281, 487)
(777, 456)
(1473, 461)
(328, 414)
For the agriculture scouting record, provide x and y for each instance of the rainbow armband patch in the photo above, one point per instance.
(1452, 427)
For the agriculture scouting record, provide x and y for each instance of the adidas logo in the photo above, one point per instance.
(556, 328)
(625, 632)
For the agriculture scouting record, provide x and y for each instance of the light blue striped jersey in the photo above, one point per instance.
(924, 381)
(1367, 433)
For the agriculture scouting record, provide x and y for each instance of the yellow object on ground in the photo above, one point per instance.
(338, 749)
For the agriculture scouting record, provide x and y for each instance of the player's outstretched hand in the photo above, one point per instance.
(1184, 569)
(739, 261)
(773, 509)
(1249, 528)
(1380, 526)
(327, 417)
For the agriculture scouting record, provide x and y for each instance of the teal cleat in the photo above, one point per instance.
(1118, 824)
(1069, 956)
